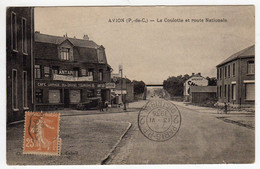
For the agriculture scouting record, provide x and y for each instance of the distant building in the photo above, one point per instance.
(68, 71)
(118, 94)
(236, 78)
(200, 94)
(194, 80)
(19, 61)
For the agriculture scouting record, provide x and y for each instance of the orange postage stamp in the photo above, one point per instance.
(41, 133)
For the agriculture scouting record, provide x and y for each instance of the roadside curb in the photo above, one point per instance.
(108, 156)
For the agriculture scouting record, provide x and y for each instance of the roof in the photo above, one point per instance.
(203, 89)
(58, 40)
(247, 52)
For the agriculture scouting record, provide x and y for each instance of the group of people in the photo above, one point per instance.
(102, 105)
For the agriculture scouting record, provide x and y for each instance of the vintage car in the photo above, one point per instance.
(91, 103)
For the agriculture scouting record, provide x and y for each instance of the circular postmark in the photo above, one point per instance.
(159, 120)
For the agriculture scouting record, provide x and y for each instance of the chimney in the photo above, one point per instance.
(199, 74)
(193, 74)
(85, 37)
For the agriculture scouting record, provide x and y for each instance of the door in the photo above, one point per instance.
(66, 98)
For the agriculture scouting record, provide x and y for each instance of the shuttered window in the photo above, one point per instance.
(233, 92)
(54, 96)
(75, 96)
(250, 91)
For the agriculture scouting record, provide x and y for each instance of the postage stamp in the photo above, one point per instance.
(41, 133)
(159, 120)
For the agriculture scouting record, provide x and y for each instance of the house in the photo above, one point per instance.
(19, 61)
(68, 71)
(194, 80)
(236, 78)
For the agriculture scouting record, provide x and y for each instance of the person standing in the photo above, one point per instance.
(100, 105)
(106, 105)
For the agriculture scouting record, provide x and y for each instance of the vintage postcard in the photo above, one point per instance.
(130, 85)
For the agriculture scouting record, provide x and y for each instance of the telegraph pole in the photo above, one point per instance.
(125, 94)
(121, 80)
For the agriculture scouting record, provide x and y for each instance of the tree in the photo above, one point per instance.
(212, 81)
(139, 87)
(174, 85)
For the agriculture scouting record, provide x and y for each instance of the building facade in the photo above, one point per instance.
(68, 71)
(236, 78)
(203, 94)
(194, 80)
(19, 61)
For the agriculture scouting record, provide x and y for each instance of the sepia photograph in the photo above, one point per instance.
(129, 85)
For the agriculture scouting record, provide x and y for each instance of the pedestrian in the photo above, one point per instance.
(106, 105)
(100, 105)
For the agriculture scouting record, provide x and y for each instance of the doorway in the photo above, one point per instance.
(66, 98)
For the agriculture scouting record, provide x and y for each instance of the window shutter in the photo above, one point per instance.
(71, 54)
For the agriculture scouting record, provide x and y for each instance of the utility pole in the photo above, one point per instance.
(125, 94)
(121, 80)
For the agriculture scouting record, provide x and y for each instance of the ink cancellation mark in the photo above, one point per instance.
(159, 120)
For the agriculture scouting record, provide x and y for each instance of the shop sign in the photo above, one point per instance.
(45, 84)
(118, 92)
(86, 85)
(110, 85)
(194, 81)
(72, 78)
(101, 85)
(65, 72)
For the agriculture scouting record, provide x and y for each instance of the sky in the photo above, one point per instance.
(154, 51)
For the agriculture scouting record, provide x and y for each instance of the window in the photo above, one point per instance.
(225, 94)
(24, 37)
(75, 96)
(38, 96)
(83, 72)
(233, 92)
(37, 71)
(220, 91)
(24, 84)
(100, 75)
(234, 69)
(65, 53)
(13, 31)
(46, 71)
(54, 96)
(14, 89)
(250, 91)
(220, 73)
(225, 72)
(90, 72)
(55, 70)
(250, 67)
(90, 93)
(228, 70)
(76, 72)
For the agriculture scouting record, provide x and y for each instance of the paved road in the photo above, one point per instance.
(202, 138)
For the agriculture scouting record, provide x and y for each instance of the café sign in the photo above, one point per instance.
(72, 78)
(110, 85)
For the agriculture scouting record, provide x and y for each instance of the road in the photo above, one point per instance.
(201, 139)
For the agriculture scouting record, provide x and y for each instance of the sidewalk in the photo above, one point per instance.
(84, 141)
(239, 117)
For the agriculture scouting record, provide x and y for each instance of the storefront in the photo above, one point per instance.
(69, 71)
(59, 95)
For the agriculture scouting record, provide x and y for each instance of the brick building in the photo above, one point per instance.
(236, 78)
(69, 71)
(19, 61)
